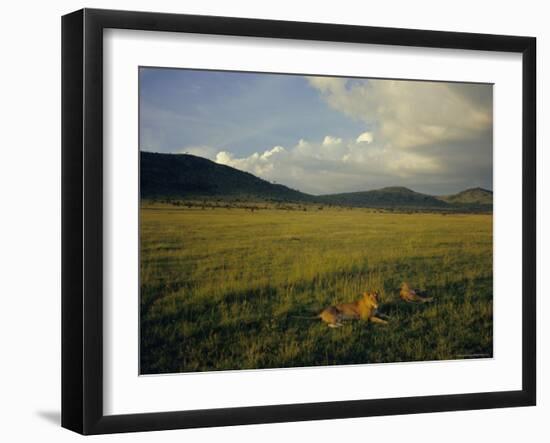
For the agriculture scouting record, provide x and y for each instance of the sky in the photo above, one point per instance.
(324, 135)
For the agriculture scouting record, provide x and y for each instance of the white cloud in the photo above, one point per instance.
(261, 165)
(224, 158)
(409, 114)
(332, 165)
(433, 137)
(365, 137)
(328, 141)
(275, 150)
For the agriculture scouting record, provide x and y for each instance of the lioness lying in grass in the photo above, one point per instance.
(412, 295)
(362, 309)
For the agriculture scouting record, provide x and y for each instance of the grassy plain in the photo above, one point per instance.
(226, 288)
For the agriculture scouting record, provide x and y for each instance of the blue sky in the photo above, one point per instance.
(242, 112)
(323, 134)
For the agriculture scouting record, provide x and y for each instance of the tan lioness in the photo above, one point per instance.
(411, 295)
(362, 309)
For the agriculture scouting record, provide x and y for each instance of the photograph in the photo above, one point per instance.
(300, 220)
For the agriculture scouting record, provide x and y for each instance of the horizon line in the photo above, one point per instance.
(316, 195)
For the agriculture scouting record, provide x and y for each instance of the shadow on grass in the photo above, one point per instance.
(265, 326)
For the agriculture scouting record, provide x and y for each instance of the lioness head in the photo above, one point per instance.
(372, 298)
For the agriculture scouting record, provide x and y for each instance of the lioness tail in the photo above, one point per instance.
(301, 317)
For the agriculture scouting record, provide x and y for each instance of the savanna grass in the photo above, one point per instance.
(228, 288)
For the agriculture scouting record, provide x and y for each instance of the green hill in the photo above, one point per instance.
(188, 176)
(391, 197)
(184, 176)
(473, 196)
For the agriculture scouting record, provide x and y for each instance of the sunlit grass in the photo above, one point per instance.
(224, 288)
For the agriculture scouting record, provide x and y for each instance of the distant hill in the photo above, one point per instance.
(473, 196)
(386, 197)
(188, 176)
(184, 176)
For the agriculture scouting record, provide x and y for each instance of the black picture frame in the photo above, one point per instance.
(82, 220)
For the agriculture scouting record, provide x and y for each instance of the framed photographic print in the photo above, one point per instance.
(269, 221)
